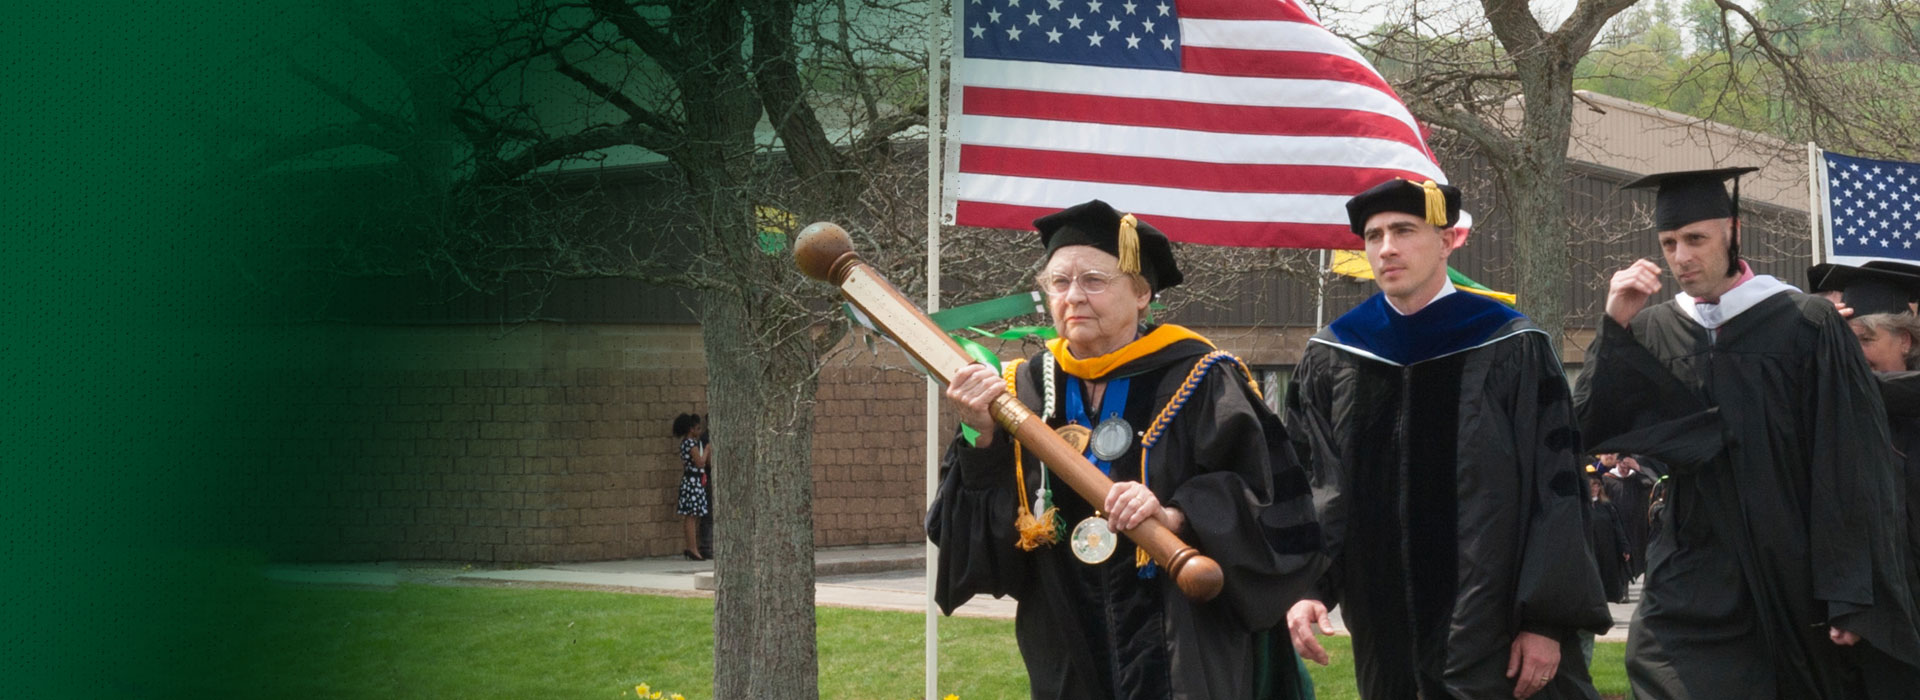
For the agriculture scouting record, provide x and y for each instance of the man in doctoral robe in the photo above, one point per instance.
(1778, 567)
(1437, 430)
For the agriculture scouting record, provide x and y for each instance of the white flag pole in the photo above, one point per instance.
(936, 17)
(1816, 204)
(1320, 295)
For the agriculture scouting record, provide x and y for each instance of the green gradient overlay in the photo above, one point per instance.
(142, 334)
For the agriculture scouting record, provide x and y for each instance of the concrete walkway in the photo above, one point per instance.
(873, 578)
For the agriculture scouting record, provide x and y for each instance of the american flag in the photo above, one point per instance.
(1872, 208)
(1226, 122)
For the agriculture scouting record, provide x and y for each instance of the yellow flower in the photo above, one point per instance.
(951, 696)
(654, 696)
(677, 696)
(642, 690)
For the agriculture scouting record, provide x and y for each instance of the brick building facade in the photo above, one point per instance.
(547, 442)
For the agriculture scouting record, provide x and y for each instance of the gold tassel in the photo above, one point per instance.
(1140, 558)
(1029, 528)
(1436, 203)
(1129, 245)
(1034, 532)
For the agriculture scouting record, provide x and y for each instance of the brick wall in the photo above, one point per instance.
(542, 442)
(869, 462)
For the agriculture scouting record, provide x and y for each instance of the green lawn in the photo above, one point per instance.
(433, 641)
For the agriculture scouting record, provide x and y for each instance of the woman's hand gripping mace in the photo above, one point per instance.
(824, 252)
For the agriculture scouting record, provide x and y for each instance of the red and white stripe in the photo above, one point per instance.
(1271, 125)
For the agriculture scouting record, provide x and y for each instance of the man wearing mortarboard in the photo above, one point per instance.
(1779, 567)
(1438, 432)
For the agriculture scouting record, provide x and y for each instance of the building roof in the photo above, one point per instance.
(1641, 139)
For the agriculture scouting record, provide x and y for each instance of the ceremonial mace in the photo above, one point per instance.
(824, 252)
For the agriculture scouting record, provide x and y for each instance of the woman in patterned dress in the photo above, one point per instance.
(693, 503)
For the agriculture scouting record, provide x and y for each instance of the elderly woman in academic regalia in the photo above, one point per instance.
(1181, 429)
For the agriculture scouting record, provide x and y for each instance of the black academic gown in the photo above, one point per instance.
(1102, 631)
(1781, 515)
(1610, 547)
(1631, 495)
(1441, 448)
(1901, 393)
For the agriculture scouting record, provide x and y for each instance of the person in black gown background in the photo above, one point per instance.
(1630, 488)
(1608, 538)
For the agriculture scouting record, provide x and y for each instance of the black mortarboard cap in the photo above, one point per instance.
(1099, 225)
(1868, 290)
(1892, 266)
(1691, 195)
(1407, 196)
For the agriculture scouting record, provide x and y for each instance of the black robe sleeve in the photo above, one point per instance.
(1558, 589)
(1855, 516)
(1246, 503)
(1312, 434)
(972, 523)
(1900, 391)
(1627, 401)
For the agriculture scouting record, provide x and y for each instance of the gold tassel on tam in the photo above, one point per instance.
(1436, 203)
(1129, 245)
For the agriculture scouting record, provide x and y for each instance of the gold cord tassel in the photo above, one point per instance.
(1436, 204)
(1129, 245)
(1140, 558)
(1034, 532)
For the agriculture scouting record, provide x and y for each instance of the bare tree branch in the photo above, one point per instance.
(776, 77)
(658, 45)
(1576, 34)
(614, 96)
(346, 98)
(884, 129)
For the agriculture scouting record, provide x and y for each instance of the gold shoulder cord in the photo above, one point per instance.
(1152, 435)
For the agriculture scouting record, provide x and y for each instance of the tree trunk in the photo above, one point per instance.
(760, 385)
(761, 369)
(1535, 187)
(1538, 210)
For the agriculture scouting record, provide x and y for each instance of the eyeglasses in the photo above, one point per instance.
(1091, 283)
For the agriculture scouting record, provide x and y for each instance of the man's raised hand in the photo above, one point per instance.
(1630, 289)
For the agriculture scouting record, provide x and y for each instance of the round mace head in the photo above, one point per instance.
(818, 247)
(1199, 577)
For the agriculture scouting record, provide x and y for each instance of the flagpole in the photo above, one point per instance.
(1815, 203)
(1320, 295)
(936, 17)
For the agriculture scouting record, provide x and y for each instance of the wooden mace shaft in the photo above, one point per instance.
(824, 252)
